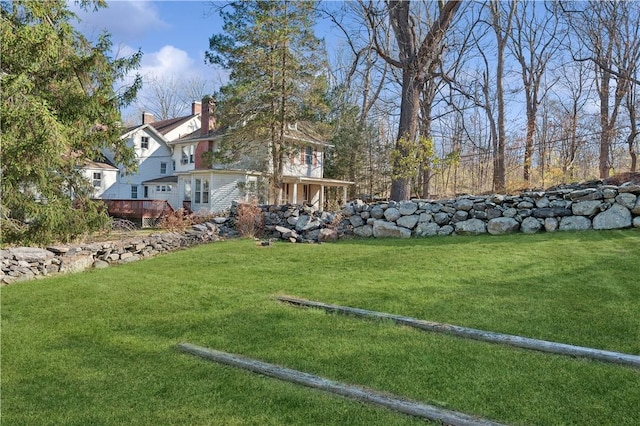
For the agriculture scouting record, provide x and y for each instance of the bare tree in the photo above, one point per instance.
(608, 36)
(417, 58)
(534, 42)
(170, 97)
(632, 104)
(501, 23)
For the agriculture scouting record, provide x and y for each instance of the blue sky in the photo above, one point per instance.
(173, 35)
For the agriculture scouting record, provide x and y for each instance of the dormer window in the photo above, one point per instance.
(144, 142)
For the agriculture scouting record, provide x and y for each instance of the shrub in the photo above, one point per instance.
(249, 219)
(176, 221)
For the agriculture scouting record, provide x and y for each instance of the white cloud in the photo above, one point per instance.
(124, 20)
(167, 62)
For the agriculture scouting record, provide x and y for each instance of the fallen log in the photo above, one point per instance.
(471, 333)
(402, 405)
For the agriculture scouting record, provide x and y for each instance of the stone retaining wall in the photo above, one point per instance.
(569, 208)
(26, 263)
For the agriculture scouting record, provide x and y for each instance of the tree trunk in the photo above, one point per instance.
(407, 129)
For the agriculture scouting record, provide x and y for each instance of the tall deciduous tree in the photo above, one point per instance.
(609, 36)
(275, 65)
(534, 41)
(58, 108)
(417, 59)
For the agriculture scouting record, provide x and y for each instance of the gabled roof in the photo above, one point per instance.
(165, 126)
(162, 127)
(147, 127)
(104, 165)
(300, 131)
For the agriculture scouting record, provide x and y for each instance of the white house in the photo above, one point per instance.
(213, 187)
(172, 168)
(102, 176)
(154, 178)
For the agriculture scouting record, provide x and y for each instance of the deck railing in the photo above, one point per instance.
(138, 209)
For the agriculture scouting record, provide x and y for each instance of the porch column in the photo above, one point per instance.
(321, 201)
(344, 195)
(294, 195)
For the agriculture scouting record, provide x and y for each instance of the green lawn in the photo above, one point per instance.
(99, 348)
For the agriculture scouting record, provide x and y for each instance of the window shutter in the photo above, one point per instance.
(315, 157)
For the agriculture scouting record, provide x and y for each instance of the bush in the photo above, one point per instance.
(176, 221)
(249, 219)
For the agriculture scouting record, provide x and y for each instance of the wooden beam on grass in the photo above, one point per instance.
(471, 333)
(402, 405)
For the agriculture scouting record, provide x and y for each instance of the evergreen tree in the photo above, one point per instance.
(276, 79)
(58, 108)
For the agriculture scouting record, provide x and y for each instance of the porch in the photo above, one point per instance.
(145, 213)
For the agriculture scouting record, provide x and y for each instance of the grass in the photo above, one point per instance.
(100, 347)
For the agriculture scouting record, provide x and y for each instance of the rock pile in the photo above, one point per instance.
(25, 263)
(564, 209)
(297, 223)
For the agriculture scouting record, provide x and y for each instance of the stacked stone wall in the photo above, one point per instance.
(577, 208)
(26, 263)
(570, 208)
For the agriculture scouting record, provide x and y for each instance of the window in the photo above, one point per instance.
(97, 179)
(202, 191)
(134, 191)
(144, 142)
(157, 188)
(146, 191)
(308, 156)
(187, 191)
(205, 191)
(163, 168)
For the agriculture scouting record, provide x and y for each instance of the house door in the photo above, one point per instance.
(146, 191)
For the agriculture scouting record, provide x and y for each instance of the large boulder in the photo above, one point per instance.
(407, 221)
(364, 231)
(392, 214)
(464, 204)
(471, 226)
(586, 208)
(575, 223)
(384, 229)
(616, 217)
(502, 225)
(426, 229)
(29, 254)
(530, 225)
(407, 208)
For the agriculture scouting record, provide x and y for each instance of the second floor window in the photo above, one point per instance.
(134, 191)
(97, 179)
(308, 156)
(163, 168)
(144, 142)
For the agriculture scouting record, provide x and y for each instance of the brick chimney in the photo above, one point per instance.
(208, 116)
(196, 108)
(147, 118)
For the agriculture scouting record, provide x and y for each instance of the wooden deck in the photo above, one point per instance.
(138, 210)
